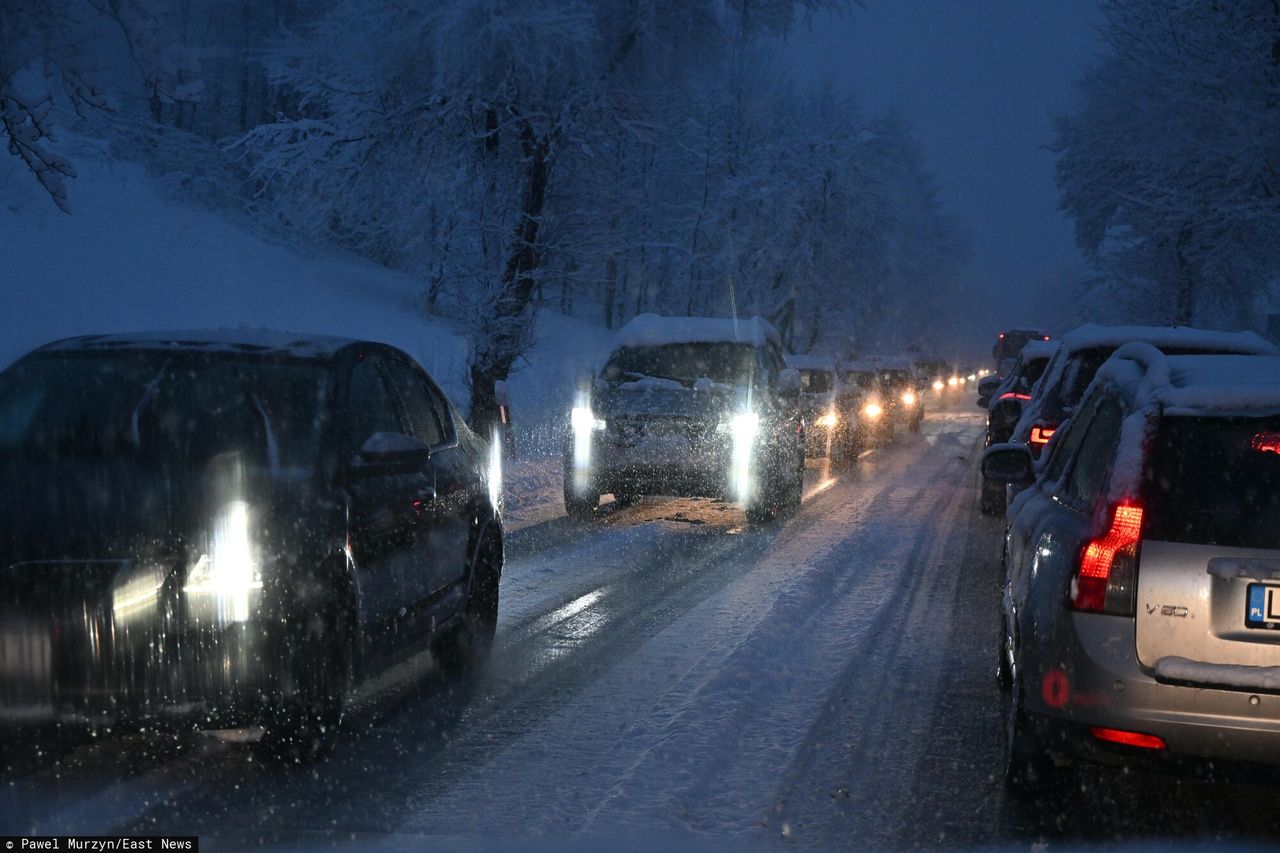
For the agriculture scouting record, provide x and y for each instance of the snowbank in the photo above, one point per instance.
(128, 259)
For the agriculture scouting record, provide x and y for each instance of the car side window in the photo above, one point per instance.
(370, 406)
(419, 408)
(1066, 445)
(1096, 453)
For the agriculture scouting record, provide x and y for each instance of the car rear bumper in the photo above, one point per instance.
(1090, 677)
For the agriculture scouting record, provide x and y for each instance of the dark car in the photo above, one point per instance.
(689, 406)
(820, 394)
(903, 396)
(1141, 600)
(225, 529)
(1011, 341)
(863, 407)
(1004, 408)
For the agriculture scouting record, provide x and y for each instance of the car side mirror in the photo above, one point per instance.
(987, 385)
(1009, 463)
(789, 382)
(389, 453)
(984, 402)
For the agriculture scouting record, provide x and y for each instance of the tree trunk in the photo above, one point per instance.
(1184, 311)
(504, 334)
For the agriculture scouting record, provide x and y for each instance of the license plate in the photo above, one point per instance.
(1262, 607)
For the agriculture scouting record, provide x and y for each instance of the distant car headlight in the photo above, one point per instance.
(872, 410)
(953, 381)
(972, 377)
(938, 385)
(829, 420)
(909, 398)
(229, 571)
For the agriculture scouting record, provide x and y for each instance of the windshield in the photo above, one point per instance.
(723, 363)
(161, 407)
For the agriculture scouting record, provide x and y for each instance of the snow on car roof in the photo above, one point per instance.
(811, 362)
(890, 362)
(210, 340)
(1091, 335)
(650, 330)
(1195, 384)
(1039, 349)
(1179, 385)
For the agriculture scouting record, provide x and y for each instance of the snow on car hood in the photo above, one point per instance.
(665, 397)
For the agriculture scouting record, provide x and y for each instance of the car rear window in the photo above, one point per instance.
(1216, 481)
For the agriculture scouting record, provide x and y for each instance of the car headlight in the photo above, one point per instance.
(743, 427)
(909, 398)
(953, 381)
(229, 570)
(829, 420)
(938, 385)
(584, 420)
(872, 410)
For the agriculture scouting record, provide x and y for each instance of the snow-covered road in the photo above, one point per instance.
(668, 674)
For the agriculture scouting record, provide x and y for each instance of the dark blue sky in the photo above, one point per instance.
(980, 81)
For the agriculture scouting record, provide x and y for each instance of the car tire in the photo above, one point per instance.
(317, 673)
(579, 505)
(463, 649)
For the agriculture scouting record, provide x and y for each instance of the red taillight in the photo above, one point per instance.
(1266, 442)
(1046, 337)
(1013, 395)
(1121, 736)
(1040, 433)
(1100, 558)
(1002, 336)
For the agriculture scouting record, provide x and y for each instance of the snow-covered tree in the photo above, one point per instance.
(1170, 167)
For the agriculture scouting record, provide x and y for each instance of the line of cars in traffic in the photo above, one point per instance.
(712, 407)
(232, 529)
(1141, 560)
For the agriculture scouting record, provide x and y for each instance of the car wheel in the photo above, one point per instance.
(464, 648)
(316, 679)
(579, 504)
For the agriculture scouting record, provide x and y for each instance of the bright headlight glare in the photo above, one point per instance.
(938, 385)
(584, 420)
(828, 420)
(909, 398)
(953, 381)
(743, 427)
(872, 410)
(229, 571)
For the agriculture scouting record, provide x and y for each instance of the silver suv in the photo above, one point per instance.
(1142, 569)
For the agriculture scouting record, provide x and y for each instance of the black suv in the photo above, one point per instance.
(226, 529)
